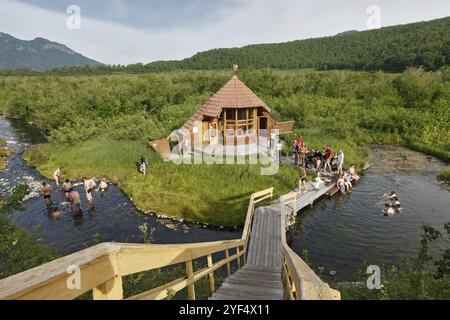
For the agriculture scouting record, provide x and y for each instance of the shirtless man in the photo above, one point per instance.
(47, 193)
(302, 181)
(67, 187)
(341, 183)
(74, 198)
(55, 213)
(57, 175)
(89, 186)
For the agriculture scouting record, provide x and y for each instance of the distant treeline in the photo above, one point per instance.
(393, 49)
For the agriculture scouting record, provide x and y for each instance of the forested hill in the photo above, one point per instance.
(38, 54)
(390, 49)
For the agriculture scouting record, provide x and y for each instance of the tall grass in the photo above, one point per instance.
(216, 194)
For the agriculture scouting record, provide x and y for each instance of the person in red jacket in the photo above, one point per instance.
(328, 156)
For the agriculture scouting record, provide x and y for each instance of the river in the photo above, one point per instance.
(114, 218)
(347, 233)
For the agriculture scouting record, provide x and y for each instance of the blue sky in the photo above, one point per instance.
(131, 31)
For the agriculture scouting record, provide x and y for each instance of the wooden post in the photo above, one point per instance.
(238, 250)
(225, 127)
(109, 290)
(255, 122)
(190, 276)
(227, 257)
(211, 275)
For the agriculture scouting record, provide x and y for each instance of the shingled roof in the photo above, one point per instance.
(234, 94)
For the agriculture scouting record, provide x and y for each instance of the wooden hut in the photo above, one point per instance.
(234, 113)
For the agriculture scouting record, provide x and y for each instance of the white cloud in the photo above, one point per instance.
(253, 21)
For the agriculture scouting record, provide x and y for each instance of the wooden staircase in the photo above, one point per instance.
(260, 278)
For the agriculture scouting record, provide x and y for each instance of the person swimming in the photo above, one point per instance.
(47, 193)
(390, 195)
(103, 186)
(390, 211)
(55, 212)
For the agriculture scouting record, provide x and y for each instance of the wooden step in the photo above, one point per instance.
(243, 288)
(233, 294)
(256, 282)
(260, 277)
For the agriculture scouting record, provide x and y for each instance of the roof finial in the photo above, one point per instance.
(235, 68)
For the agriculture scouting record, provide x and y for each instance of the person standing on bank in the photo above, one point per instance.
(341, 158)
(302, 181)
(57, 175)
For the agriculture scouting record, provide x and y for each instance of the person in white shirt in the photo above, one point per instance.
(341, 158)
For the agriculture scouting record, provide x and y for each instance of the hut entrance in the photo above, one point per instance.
(262, 123)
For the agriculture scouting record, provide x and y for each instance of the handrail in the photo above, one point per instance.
(299, 280)
(101, 268)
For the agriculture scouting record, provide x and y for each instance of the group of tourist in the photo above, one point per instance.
(317, 160)
(322, 161)
(72, 196)
(393, 206)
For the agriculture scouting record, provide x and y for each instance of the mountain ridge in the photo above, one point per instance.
(39, 54)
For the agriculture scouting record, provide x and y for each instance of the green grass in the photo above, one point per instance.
(215, 194)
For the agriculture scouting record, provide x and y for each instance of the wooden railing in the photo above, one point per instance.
(299, 281)
(102, 267)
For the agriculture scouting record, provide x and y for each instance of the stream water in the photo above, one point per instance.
(113, 219)
(347, 233)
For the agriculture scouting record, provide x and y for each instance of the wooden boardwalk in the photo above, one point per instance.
(260, 278)
(307, 197)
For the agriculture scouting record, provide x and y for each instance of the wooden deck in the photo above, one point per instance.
(308, 197)
(260, 278)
